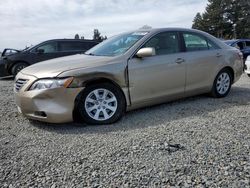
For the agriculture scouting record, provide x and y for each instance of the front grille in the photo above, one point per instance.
(20, 83)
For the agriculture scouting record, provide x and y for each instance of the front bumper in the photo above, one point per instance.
(3, 69)
(52, 105)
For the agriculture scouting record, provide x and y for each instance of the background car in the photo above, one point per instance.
(12, 61)
(242, 44)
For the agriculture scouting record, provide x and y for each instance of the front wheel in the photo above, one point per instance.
(17, 68)
(101, 104)
(222, 84)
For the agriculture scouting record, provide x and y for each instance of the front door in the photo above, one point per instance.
(46, 51)
(159, 76)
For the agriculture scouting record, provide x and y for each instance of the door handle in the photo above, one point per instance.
(218, 55)
(179, 60)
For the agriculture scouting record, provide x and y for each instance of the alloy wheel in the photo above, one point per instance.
(101, 104)
(223, 83)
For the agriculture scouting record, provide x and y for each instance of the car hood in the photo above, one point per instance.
(7, 52)
(54, 67)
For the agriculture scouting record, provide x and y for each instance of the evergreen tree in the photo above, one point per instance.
(97, 35)
(221, 17)
(240, 17)
(77, 36)
(198, 22)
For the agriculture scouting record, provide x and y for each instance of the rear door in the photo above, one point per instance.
(74, 47)
(159, 76)
(202, 58)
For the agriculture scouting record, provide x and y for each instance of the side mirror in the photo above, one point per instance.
(145, 52)
(40, 51)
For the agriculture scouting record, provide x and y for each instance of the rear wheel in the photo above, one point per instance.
(222, 84)
(101, 104)
(17, 68)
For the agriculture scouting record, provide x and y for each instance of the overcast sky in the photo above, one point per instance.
(26, 22)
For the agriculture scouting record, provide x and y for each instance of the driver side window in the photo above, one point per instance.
(240, 45)
(48, 47)
(164, 43)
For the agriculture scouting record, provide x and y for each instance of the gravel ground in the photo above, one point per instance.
(199, 141)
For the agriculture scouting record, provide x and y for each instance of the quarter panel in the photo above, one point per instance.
(115, 71)
(202, 66)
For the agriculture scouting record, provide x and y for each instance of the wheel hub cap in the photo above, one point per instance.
(101, 104)
(223, 83)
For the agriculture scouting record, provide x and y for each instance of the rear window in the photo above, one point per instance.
(75, 46)
(91, 44)
(247, 44)
(195, 42)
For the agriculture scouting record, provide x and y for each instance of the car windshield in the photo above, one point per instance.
(229, 42)
(116, 45)
(27, 48)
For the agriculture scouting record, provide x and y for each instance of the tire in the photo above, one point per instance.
(17, 68)
(222, 84)
(248, 75)
(94, 109)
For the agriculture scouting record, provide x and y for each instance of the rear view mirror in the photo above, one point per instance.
(145, 52)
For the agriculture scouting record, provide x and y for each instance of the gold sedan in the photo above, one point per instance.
(128, 71)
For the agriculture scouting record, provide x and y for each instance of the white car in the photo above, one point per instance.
(248, 66)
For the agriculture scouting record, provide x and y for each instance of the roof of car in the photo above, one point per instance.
(74, 40)
(236, 40)
(167, 29)
(157, 30)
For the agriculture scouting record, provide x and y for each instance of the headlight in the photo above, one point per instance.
(51, 83)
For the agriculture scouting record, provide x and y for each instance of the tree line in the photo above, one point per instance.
(225, 19)
(96, 36)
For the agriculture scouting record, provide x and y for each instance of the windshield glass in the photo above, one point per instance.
(229, 42)
(116, 45)
(26, 48)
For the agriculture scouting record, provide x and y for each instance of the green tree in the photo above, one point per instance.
(239, 16)
(77, 36)
(225, 18)
(97, 36)
(198, 22)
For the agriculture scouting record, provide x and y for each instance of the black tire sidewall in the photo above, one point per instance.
(15, 68)
(215, 93)
(120, 104)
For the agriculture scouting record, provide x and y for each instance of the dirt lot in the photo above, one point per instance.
(196, 141)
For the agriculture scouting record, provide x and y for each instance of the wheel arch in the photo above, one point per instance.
(96, 81)
(230, 69)
(14, 63)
